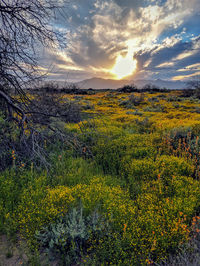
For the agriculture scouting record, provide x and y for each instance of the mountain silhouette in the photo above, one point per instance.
(100, 83)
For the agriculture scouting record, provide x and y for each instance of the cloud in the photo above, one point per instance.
(170, 57)
(154, 32)
(187, 76)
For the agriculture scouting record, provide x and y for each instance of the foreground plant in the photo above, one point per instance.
(70, 236)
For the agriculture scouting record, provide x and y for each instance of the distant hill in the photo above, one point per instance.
(161, 83)
(99, 83)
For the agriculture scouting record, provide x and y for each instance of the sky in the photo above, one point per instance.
(125, 39)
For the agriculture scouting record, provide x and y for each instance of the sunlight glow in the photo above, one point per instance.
(182, 77)
(124, 66)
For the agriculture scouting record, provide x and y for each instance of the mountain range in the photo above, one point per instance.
(100, 83)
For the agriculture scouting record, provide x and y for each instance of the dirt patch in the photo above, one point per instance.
(15, 253)
(11, 254)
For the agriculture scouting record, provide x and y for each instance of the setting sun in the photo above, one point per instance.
(124, 66)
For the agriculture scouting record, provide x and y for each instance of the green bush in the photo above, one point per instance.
(132, 101)
(148, 169)
(71, 236)
(171, 165)
(150, 226)
(9, 141)
(114, 154)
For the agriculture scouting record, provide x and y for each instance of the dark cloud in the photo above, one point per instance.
(168, 56)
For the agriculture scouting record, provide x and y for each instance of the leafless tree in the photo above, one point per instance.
(24, 30)
(23, 27)
(194, 85)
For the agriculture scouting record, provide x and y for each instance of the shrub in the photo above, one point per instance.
(187, 93)
(132, 101)
(128, 89)
(171, 165)
(153, 100)
(145, 125)
(140, 169)
(148, 227)
(134, 113)
(155, 108)
(39, 206)
(136, 100)
(9, 195)
(112, 153)
(174, 99)
(9, 136)
(179, 134)
(87, 105)
(45, 106)
(70, 237)
(137, 171)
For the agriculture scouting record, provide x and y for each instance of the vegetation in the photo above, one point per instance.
(121, 186)
(92, 178)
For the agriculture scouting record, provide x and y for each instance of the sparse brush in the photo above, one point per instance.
(132, 101)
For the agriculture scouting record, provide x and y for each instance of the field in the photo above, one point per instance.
(124, 192)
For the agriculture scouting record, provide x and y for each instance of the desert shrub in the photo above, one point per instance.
(137, 112)
(86, 105)
(111, 153)
(70, 171)
(128, 89)
(100, 103)
(195, 129)
(78, 98)
(171, 165)
(13, 182)
(136, 100)
(44, 106)
(46, 125)
(40, 205)
(135, 171)
(187, 253)
(134, 113)
(178, 134)
(132, 101)
(148, 227)
(110, 94)
(153, 100)
(184, 140)
(151, 88)
(196, 110)
(175, 105)
(74, 89)
(174, 99)
(155, 108)
(145, 125)
(69, 237)
(162, 96)
(9, 142)
(187, 93)
(9, 195)
(139, 169)
(48, 87)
